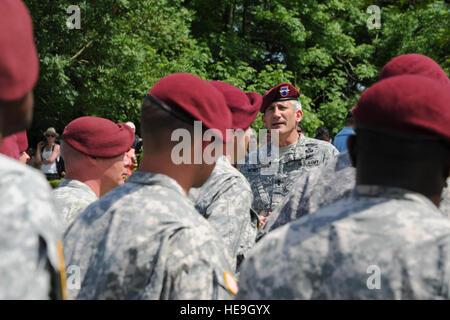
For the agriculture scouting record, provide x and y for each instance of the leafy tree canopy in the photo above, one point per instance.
(324, 48)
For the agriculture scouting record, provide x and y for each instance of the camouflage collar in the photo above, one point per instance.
(71, 183)
(392, 193)
(155, 179)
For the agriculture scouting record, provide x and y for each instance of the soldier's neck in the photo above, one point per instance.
(94, 184)
(181, 173)
(397, 178)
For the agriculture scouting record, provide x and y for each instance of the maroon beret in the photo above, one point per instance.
(415, 64)
(19, 64)
(243, 106)
(196, 97)
(22, 140)
(98, 137)
(409, 104)
(281, 92)
(9, 147)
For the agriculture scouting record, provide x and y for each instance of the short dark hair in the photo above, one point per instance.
(396, 159)
(322, 133)
(349, 119)
(157, 124)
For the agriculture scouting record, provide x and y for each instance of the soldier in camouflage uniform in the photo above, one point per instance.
(388, 240)
(31, 265)
(144, 239)
(320, 187)
(30, 235)
(270, 176)
(226, 198)
(94, 150)
(325, 185)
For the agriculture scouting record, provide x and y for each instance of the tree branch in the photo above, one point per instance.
(82, 49)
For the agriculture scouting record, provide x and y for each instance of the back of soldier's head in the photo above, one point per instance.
(157, 125)
(176, 102)
(403, 132)
(91, 145)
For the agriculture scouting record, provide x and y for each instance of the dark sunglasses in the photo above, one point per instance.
(50, 135)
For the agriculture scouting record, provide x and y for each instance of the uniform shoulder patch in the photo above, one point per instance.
(62, 269)
(231, 283)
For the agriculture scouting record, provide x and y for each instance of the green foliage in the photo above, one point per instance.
(123, 47)
(424, 29)
(105, 68)
(54, 183)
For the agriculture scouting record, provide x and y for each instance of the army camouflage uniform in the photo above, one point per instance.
(379, 243)
(319, 187)
(271, 181)
(145, 240)
(225, 200)
(71, 198)
(30, 235)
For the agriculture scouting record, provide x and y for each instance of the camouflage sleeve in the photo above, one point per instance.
(257, 280)
(197, 269)
(260, 187)
(248, 239)
(229, 214)
(329, 153)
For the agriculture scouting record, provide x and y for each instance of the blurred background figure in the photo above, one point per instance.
(15, 146)
(323, 134)
(137, 143)
(340, 141)
(22, 143)
(32, 161)
(131, 161)
(47, 153)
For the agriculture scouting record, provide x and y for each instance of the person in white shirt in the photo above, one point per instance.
(47, 153)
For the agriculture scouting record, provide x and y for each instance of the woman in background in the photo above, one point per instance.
(46, 154)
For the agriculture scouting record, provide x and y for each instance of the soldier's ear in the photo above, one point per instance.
(352, 148)
(298, 115)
